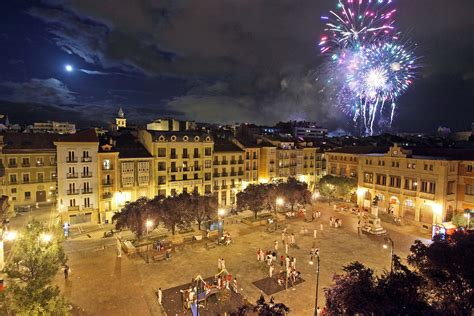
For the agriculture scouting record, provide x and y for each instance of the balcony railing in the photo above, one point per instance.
(71, 159)
(39, 164)
(107, 183)
(26, 181)
(215, 162)
(86, 174)
(216, 187)
(240, 161)
(240, 173)
(196, 156)
(233, 174)
(233, 162)
(72, 192)
(223, 187)
(86, 159)
(109, 168)
(174, 156)
(224, 162)
(224, 174)
(87, 191)
(71, 175)
(185, 156)
(25, 164)
(12, 165)
(13, 181)
(216, 174)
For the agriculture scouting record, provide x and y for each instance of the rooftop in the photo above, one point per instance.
(85, 136)
(126, 145)
(29, 142)
(226, 146)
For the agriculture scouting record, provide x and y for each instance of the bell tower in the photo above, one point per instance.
(121, 121)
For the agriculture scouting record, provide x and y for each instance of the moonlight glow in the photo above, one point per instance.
(69, 68)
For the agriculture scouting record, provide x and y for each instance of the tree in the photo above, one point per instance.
(30, 271)
(204, 207)
(337, 187)
(134, 216)
(175, 211)
(294, 192)
(460, 220)
(359, 291)
(253, 198)
(447, 267)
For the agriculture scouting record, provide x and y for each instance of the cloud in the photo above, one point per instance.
(48, 91)
(247, 59)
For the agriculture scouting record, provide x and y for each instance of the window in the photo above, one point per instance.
(25, 162)
(40, 177)
(410, 184)
(451, 187)
(72, 202)
(185, 153)
(368, 177)
(173, 153)
(395, 182)
(469, 168)
(107, 164)
(13, 179)
(13, 190)
(27, 195)
(143, 166)
(208, 151)
(381, 179)
(161, 166)
(12, 162)
(207, 189)
(87, 202)
(428, 187)
(161, 152)
(207, 176)
(469, 189)
(173, 192)
(207, 164)
(39, 161)
(185, 177)
(127, 167)
(25, 178)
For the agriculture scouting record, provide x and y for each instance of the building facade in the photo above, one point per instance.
(28, 168)
(228, 172)
(77, 169)
(182, 161)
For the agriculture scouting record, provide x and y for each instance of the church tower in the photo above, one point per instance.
(121, 121)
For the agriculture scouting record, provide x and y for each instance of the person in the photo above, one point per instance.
(276, 245)
(269, 259)
(274, 256)
(219, 264)
(235, 285)
(321, 227)
(282, 258)
(262, 257)
(313, 216)
(66, 271)
(287, 259)
(292, 239)
(286, 248)
(270, 271)
(293, 262)
(318, 310)
(258, 254)
(315, 233)
(222, 264)
(160, 295)
(119, 248)
(283, 236)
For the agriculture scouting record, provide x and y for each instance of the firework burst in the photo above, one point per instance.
(369, 67)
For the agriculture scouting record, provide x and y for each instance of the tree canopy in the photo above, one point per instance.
(441, 283)
(34, 262)
(134, 216)
(337, 187)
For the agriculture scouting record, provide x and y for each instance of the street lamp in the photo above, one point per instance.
(46, 237)
(311, 262)
(385, 246)
(148, 224)
(279, 202)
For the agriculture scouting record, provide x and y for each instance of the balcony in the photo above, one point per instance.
(25, 164)
(197, 168)
(87, 191)
(216, 174)
(233, 174)
(71, 160)
(71, 175)
(13, 181)
(39, 164)
(108, 168)
(196, 156)
(240, 173)
(224, 187)
(72, 192)
(86, 159)
(224, 162)
(107, 195)
(173, 156)
(174, 169)
(216, 187)
(233, 162)
(225, 174)
(215, 162)
(73, 208)
(272, 162)
(86, 174)
(107, 183)
(254, 168)
(240, 161)
(26, 181)
(186, 156)
(89, 206)
(12, 165)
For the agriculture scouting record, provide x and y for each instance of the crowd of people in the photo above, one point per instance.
(335, 222)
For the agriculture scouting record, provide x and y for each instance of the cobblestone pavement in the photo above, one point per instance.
(101, 284)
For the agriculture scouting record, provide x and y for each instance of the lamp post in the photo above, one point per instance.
(220, 223)
(279, 202)
(317, 281)
(149, 224)
(385, 245)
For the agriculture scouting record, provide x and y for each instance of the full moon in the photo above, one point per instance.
(68, 68)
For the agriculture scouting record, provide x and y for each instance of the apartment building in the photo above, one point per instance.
(182, 161)
(345, 161)
(28, 168)
(422, 185)
(306, 166)
(107, 170)
(268, 162)
(251, 159)
(77, 165)
(54, 127)
(228, 172)
(465, 185)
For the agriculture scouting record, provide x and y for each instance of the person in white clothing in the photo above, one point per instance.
(315, 233)
(270, 271)
(160, 295)
(219, 264)
(276, 245)
(222, 264)
(321, 227)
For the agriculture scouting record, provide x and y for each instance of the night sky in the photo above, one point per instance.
(214, 61)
